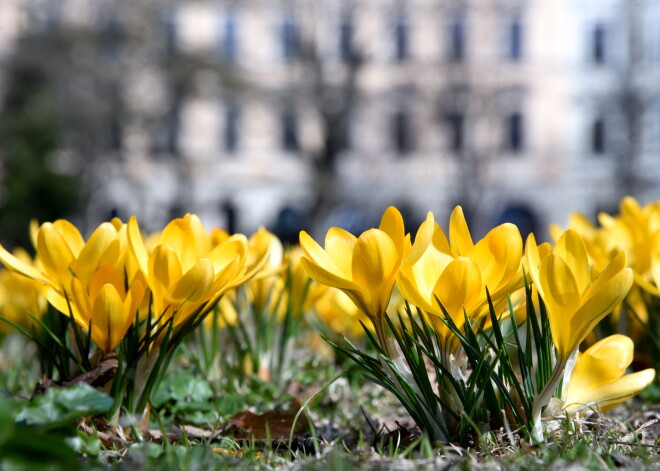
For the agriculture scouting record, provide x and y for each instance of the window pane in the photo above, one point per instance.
(230, 38)
(515, 40)
(598, 136)
(289, 131)
(402, 132)
(514, 135)
(231, 132)
(401, 40)
(170, 33)
(457, 39)
(346, 40)
(289, 39)
(456, 124)
(598, 46)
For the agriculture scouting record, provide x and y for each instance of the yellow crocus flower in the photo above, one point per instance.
(498, 254)
(599, 380)
(19, 296)
(305, 292)
(262, 287)
(85, 279)
(457, 272)
(184, 271)
(364, 267)
(336, 310)
(107, 306)
(575, 299)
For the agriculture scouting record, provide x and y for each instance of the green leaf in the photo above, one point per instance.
(26, 447)
(182, 386)
(60, 406)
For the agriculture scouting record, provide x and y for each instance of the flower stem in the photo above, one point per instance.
(543, 398)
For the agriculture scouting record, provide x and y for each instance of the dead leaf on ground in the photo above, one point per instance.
(268, 426)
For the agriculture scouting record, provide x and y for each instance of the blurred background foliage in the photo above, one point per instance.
(30, 135)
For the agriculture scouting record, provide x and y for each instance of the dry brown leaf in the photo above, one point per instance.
(268, 426)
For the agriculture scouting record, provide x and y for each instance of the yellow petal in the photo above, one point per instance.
(427, 271)
(199, 234)
(54, 253)
(194, 285)
(33, 230)
(601, 301)
(459, 287)
(328, 278)
(182, 239)
(133, 300)
(79, 304)
(534, 255)
(603, 362)
(71, 234)
(264, 241)
(570, 247)
(224, 254)
(423, 239)
(164, 270)
(320, 257)
(375, 259)
(107, 275)
(459, 234)
(101, 247)
(611, 394)
(217, 236)
(392, 224)
(440, 241)
(339, 246)
(498, 256)
(410, 290)
(108, 319)
(228, 258)
(257, 257)
(136, 245)
(561, 297)
(17, 265)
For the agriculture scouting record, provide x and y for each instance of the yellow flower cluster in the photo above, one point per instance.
(108, 281)
(635, 231)
(453, 276)
(119, 277)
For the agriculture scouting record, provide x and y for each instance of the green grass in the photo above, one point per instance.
(354, 426)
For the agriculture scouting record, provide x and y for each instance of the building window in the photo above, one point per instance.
(514, 134)
(115, 134)
(111, 35)
(289, 39)
(346, 40)
(289, 131)
(457, 39)
(166, 138)
(598, 52)
(170, 34)
(456, 125)
(231, 131)
(598, 136)
(401, 46)
(402, 132)
(229, 35)
(515, 40)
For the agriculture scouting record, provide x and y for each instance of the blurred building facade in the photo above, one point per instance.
(521, 110)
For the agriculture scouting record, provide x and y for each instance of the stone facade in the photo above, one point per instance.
(518, 110)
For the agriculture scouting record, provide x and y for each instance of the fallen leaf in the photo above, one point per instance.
(268, 426)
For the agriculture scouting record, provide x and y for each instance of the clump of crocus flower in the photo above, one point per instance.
(465, 294)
